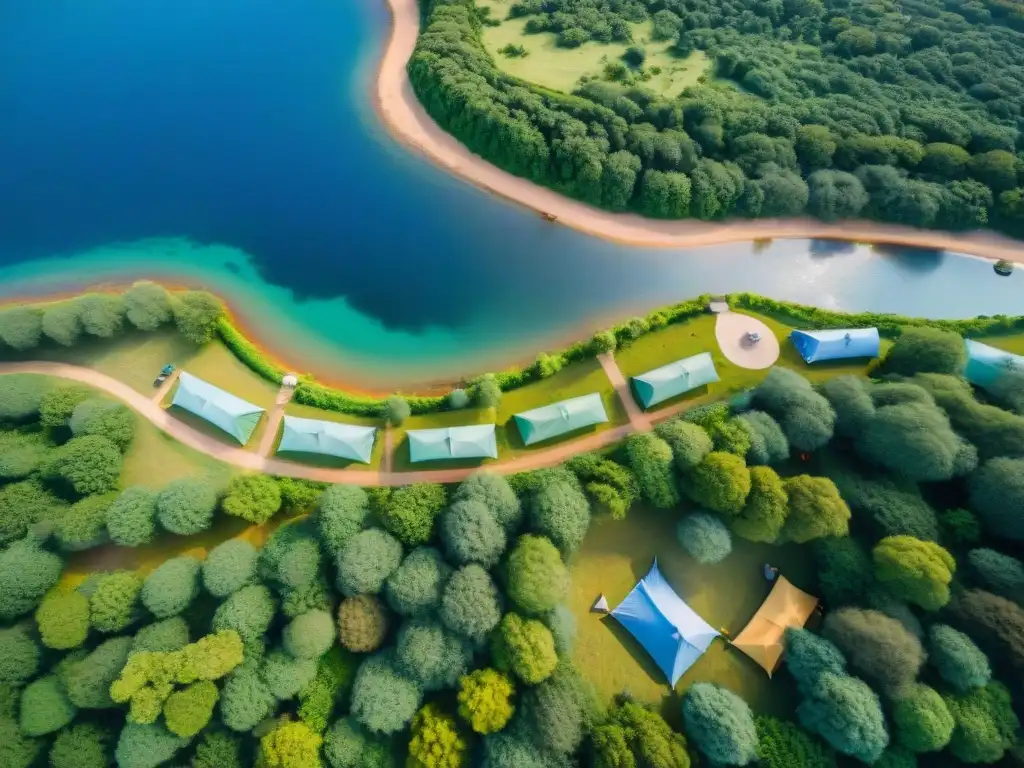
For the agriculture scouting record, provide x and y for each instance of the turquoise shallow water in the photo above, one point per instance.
(177, 127)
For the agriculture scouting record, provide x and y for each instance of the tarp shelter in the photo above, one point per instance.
(986, 364)
(762, 638)
(471, 442)
(558, 418)
(665, 626)
(816, 346)
(675, 378)
(329, 438)
(222, 409)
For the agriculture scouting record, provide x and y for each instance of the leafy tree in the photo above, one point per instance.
(19, 656)
(609, 485)
(395, 410)
(834, 195)
(102, 314)
(431, 655)
(114, 421)
(846, 713)
(524, 647)
(997, 495)
(167, 635)
(690, 443)
(636, 735)
(849, 398)
(410, 512)
(63, 323)
(553, 712)
(366, 561)
(362, 623)
(805, 416)
(347, 745)
(705, 537)
(146, 746)
(290, 745)
(470, 604)
(894, 510)
(147, 305)
(21, 455)
(877, 646)
(784, 745)
(959, 527)
(497, 495)
(26, 574)
(335, 673)
(922, 720)
(21, 328)
(560, 511)
(845, 572)
(436, 740)
(59, 402)
(486, 392)
(196, 314)
(485, 700)
(809, 656)
(768, 443)
(83, 745)
(229, 566)
(650, 458)
(286, 675)
(342, 512)
(915, 441)
(913, 570)
(82, 526)
(188, 711)
(172, 587)
(87, 680)
(114, 602)
(764, 514)
(416, 586)
(254, 498)
(994, 622)
(1001, 574)
(816, 509)
(922, 349)
(186, 506)
(89, 464)
(957, 659)
(63, 620)
(720, 724)
(471, 534)
(131, 517)
(246, 700)
(309, 635)
(721, 482)
(537, 578)
(383, 701)
(218, 749)
(985, 724)
(23, 505)
(248, 612)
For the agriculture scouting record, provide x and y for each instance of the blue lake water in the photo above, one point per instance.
(236, 139)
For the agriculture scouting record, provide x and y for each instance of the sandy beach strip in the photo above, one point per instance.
(409, 123)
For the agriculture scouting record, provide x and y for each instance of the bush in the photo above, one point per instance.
(721, 724)
(690, 443)
(410, 512)
(22, 505)
(925, 350)
(959, 527)
(893, 510)
(997, 495)
(83, 525)
(957, 659)
(366, 560)
(285, 675)
(26, 573)
(146, 746)
(805, 416)
(1001, 574)
(845, 572)
(768, 443)
(436, 741)
(114, 603)
(816, 510)
(342, 512)
(721, 482)
(131, 517)
(188, 711)
(90, 464)
(849, 398)
(383, 701)
(62, 323)
(147, 305)
(784, 745)
(362, 623)
(22, 454)
(162, 636)
(254, 498)
(485, 700)
(524, 647)
(922, 720)
(876, 645)
(395, 410)
(172, 587)
(994, 622)
(846, 713)
(809, 656)
(985, 725)
(347, 745)
(335, 673)
(59, 403)
(63, 620)
(218, 749)
(114, 421)
(102, 314)
(635, 735)
(487, 392)
(916, 442)
(431, 655)
(84, 745)
(245, 701)
(650, 458)
(471, 534)
(470, 604)
(88, 680)
(537, 578)
(310, 635)
(248, 612)
(705, 538)
(186, 506)
(416, 586)
(561, 512)
(913, 570)
(19, 656)
(458, 399)
(229, 567)
(496, 494)
(21, 328)
(553, 712)
(611, 486)
(289, 745)
(196, 314)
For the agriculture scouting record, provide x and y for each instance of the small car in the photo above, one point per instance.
(753, 337)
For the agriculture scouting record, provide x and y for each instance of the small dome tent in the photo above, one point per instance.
(674, 379)
(817, 346)
(986, 364)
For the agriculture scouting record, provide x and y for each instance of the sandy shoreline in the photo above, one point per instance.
(409, 123)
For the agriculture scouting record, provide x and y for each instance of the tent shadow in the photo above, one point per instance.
(515, 440)
(402, 460)
(319, 460)
(693, 394)
(632, 645)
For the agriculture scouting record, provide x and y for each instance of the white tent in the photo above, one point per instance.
(330, 438)
(475, 441)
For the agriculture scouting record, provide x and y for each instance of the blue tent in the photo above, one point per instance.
(986, 364)
(666, 627)
(222, 409)
(675, 378)
(815, 346)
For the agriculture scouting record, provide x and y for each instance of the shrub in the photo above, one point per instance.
(90, 464)
(63, 620)
(1001, 574)
(147, 305)
(23, 505)
(845, 571)
(114, 421)
(188, 711)
(172, 587)
(893, 510)
(196, 314)
(330, 687)
(635, 735)
(62, 323)
(309, 635)
(913, 570)
(916, 442)
(254, 498)
(229, 567)
(84, 745)
(816, 510)
(487, 392)
(366, 560)
(218, 749)
(996, 623)
(925, 350)
(19, 656)
(21, 397)
(959, 527)
(809, 656)
(805, 416)
(553, 712)
(285, 675)
(458, 399)
(524, 647)
(298, 495)
(561, 512)
(784, 745)
(846, 713)
(768, 443)
(88, 680)
(611, 486)
(650, 458)
(248, 612)
(131, 517)
(102, 314)
(436, 741)
(705, 538)
(849, 398)
(410, 512)
(876, 645)
(162, 636)
(383, 701)
(245, 701)
(721, 482)
(957, 659)
(59, 402)
(26, 573)
(485, 700)
(22, 454)
(113, 605)
(289, 745)
(362, 623)
(720, 724)
(146, 746)
(496, 494)
(416, 586)
(342, 512)
(997, 495)
(395, 410)
(537, 578)
(347, 745)
(186, 506)
(82, 526)
(985, 725)
(690, 443)
(470, 604)
(21, 328)
(922, 720)
(471, 534)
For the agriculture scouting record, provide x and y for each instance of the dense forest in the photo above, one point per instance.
(908, 113)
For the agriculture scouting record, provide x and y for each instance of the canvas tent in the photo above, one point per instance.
(675, 378)
(329, 438)
(471, 442)
(665, 626)
(816, 346)
(222, 409)
(986, 364)
(762, 638)
(558, 418)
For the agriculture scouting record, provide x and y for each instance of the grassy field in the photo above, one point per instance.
(561, 68)
(1013, 343)
(616, 554)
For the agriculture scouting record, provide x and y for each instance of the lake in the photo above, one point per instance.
(231, 145)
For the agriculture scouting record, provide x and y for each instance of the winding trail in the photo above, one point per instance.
(409, 123)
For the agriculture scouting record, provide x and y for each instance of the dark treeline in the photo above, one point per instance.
(906, 113)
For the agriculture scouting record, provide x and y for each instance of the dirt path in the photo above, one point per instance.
(284, 396)
(163, 389)
(637, 418)
(731, 329)
(410, 124)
